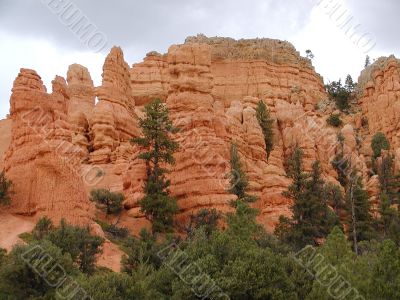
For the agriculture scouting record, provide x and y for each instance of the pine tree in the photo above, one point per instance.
(334, 197)
(379, 142)
(158, 206)
(42, 228)
(337, 255)
(367, 61)
(340, 94)
(389, 182)
(83, 247)
(359, 220)
(312, 218)
(111, 201)
(350, 86)
(385, 283)
(309, 54)
(389, 221)
(238, 180)
(266, 124)
(340, 163)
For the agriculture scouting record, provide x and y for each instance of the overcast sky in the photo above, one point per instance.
(42, 34)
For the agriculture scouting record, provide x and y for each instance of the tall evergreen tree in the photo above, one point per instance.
(266, 124)
(157, 205)
(340, 163)
(334, 197)
(359, 220)
(238, 180)
(312, 218)
(388, 180)
(350, 86)
(389, 221)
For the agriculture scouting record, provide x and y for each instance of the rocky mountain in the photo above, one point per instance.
(58, 146)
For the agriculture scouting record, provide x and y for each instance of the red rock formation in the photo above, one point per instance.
(113, 120)
(199, 177)
(150, 79)
(261, 68)
(211, 87)
(82, 99)
(41, 160)
(380, 101)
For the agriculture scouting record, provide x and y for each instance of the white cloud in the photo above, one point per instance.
(42, 56)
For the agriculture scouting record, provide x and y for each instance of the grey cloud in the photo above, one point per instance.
(380, 18)
(153, 25)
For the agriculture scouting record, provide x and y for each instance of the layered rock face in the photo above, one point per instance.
(113, 120)
(150, 79)
(41, 160)
(211, 87)
(380, 102)
(262, 68)
(210, 121)
(81, 103)
(202, 160)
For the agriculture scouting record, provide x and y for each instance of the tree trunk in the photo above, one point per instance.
(353, 217)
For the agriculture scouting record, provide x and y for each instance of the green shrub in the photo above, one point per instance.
(79, 243)
(334, 120)
(342, 95)
(379, 142)
(5, 189)
(112, 202)
(116, 231)
(42, 228)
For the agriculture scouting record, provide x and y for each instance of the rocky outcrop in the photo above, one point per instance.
(211, 87)
(113, 121)
(380, 101)
(202, 160)
(41, 161)
(261, 68)
(81, 103)
(150, 79)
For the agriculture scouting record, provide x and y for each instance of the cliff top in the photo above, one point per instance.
(276, 51)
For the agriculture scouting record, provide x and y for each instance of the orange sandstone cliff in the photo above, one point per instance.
(57, 147)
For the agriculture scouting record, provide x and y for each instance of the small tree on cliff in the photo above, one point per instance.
(266, 123)
(238, 179)
(5, 189)
(379, 142)
(367, 61)
(157, 205)
(112, 202)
